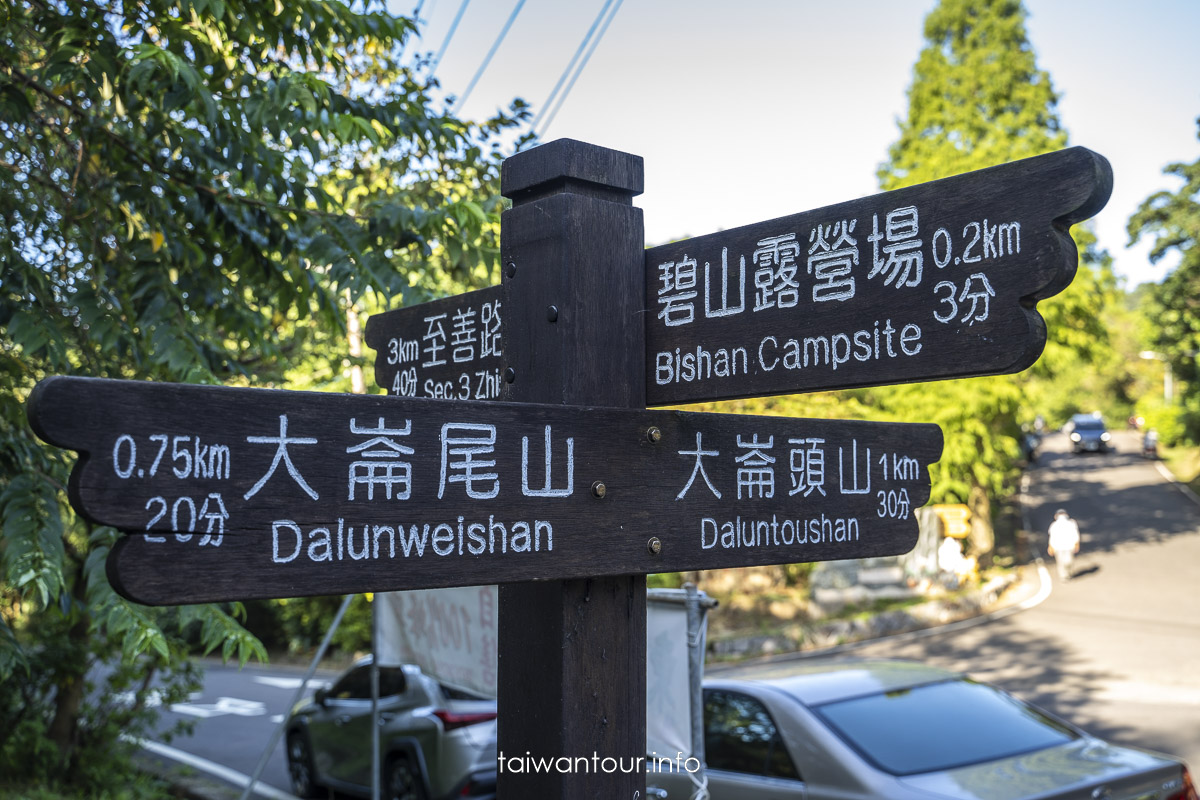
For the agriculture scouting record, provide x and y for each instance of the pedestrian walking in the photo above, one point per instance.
(1064, 542)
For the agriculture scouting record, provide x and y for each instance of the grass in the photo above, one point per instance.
(144, 787)
(1184, 463)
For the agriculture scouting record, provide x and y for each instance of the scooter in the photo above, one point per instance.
(1150, 445)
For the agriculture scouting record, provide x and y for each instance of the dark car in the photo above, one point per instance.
(436, 741)
(849, 729)
(1088, 433)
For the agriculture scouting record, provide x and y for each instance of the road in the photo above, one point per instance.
(235, 715)
(1117, 649)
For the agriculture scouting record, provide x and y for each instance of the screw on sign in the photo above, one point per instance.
(322, 493)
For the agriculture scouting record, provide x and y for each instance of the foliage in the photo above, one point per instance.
(1167, 420)
(298, 624)
(119, 699)
(141, 786)
(195, 190)
(1172, 221)
(978, 99)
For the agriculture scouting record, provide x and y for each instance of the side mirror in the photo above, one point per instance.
(320, 696)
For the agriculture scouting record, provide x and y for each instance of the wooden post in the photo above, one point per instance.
(572, 668)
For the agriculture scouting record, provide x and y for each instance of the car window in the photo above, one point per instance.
(391, 681)
(941, 726)
(356, 684)
(740, 736)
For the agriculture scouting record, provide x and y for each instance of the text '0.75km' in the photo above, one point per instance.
(320, 493)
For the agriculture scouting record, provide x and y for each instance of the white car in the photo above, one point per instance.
(435, 741)
(846, 729)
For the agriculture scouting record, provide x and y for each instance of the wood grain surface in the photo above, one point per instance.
(938, 280)
(447, 349)
(180, 464)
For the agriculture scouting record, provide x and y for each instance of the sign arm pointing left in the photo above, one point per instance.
(235, 493)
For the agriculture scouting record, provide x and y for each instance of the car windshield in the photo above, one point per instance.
(941, 726)
(1089, 425)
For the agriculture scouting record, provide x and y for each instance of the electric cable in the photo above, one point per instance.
(462, 9)
(570, 65)
(488, 58)
(416, 24)
(582, 64)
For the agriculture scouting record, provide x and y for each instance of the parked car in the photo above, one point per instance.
(436, 741)
(1088, 433)
(856, 729)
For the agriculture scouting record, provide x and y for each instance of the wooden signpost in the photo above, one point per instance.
(562, 487)
(938, 280)
(335, 494)
(934, 281)
(447, 349)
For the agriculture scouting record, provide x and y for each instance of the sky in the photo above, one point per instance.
(746, 111)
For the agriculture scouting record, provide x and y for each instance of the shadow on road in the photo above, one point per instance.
(1084, 571)
(1148, 510)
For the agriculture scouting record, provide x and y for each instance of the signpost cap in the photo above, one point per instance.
(568, 164)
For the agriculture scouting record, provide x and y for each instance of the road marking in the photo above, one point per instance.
(1155, 694)
(151, 699)
(289, 683)
(223, 707)
(212, 768)
(1181, 486)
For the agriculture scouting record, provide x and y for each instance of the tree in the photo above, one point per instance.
(1172, 220)
(195, 190)
(978, 99)
(977, 96)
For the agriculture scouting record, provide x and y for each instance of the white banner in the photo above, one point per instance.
(451, 634)
(668, 691)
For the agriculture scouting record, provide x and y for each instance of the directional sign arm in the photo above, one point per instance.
(938, 280)
(445, 349)
(243, 493)
(1084, 184)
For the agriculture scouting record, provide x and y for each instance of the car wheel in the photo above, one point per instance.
(300, 767)
(403, 780)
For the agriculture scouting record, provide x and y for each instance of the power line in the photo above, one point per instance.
(570, 65)
(416, 22)
(449, 35)
(488, 58)
(582, 64)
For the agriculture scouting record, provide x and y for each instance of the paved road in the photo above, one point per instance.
(1117, 649)
(235, 715)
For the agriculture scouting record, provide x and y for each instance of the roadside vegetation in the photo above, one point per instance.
(198, 191)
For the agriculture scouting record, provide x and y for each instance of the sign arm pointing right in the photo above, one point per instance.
(934, 281)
